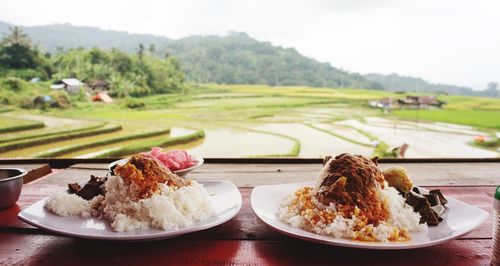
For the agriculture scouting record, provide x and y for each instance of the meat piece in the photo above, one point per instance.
(351, 180)
(92, 188)
(421, 205)
(438, 193)
(433, 199)
(73, 188)
(146, 172)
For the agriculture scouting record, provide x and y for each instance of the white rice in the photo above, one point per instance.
(401, 217)
(64, 204)
(169, 208)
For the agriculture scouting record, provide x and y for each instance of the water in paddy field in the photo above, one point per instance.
(233, 142)
(270, 138)
(423, 143)
(180, 131)
(315, 143)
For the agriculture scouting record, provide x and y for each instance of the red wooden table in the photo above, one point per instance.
(245, 239)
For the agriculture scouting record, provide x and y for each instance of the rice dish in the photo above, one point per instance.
(351, 200)
(142, 194)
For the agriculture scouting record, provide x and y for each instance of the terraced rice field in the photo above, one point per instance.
(52, 124)
(251, 121)
(423, 143)
(96, 151)
(236, 142)
(9, 122)
(315, 143)
(35, 150)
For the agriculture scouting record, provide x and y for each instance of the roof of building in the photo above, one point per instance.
(102, 96)
(72, 82)
(69, 82)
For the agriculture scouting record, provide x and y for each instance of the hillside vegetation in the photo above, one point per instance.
(395, 82)
(232, 59)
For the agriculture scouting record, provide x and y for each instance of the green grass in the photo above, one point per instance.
(113, 113)
(73, 148)
(43, 140)
(54, 133)
(475, 118)
(239, 103)
(8, 124)
(5, 110)
(383, 150)
(493, 144)
(471, 103)
(345, 93)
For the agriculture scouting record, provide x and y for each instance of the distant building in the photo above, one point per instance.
(103, 97)
(99, 85)
(409, 102)
(424, 102)
(71, 85)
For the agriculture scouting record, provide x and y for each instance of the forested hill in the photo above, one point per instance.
(51, 37)
(395, 82)
(232, 59)
(239, 59)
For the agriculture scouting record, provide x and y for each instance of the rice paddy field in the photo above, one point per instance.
(254, 121)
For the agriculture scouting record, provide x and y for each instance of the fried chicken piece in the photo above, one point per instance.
(350, 180)
(398, 178)
(147, 172)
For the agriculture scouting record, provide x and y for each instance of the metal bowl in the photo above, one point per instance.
(11, 183)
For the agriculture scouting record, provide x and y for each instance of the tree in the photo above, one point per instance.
(16, 37)
(17, 57)
(491, 90)
(140, 51)
(17, 52)
(492, 86)
(152, 48)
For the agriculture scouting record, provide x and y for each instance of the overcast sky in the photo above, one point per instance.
(447, 41)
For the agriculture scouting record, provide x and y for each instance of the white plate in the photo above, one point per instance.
(182, 172)
(459, 219)
(224, 196)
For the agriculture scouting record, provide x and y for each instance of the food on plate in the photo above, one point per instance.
(142, 193)
(174, 159)
(351, 182)
(398, 178)
(440, 195)
(90, 190)
(421, 205)
(430, 206)
(147, 174)
(351, 200)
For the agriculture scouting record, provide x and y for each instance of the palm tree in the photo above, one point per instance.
(16, 37)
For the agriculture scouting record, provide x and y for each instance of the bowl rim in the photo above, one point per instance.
(22, 171)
